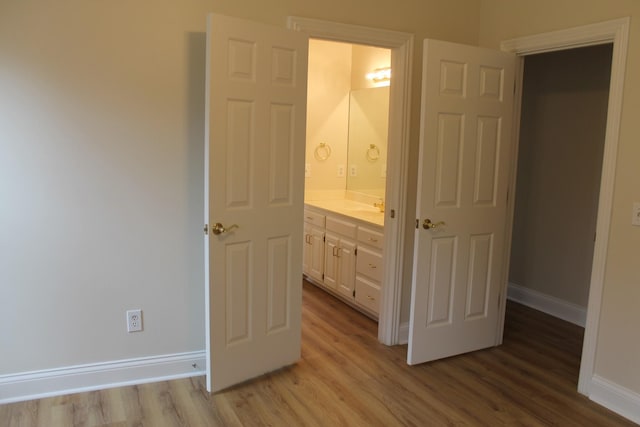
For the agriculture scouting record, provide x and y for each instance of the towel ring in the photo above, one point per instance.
(322, 151)
(373, 153)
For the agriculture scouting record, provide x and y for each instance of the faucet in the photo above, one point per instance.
(379, 205)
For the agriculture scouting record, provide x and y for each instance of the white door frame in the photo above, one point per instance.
(401, 46)
(617, 33)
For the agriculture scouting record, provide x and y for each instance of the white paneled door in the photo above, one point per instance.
(465, 143)
(255, 141)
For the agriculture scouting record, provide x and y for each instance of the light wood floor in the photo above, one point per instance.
(346, 378)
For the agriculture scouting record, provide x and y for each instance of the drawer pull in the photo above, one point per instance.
(373, 266)
(310, 218)
(373, 239)
(370, 298)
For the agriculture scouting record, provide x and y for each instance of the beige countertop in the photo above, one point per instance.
(353, 209)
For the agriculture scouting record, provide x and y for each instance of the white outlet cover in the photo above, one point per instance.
(635, 219)
(134, 320)
(341, 170)
(353, 170)
(307, 170)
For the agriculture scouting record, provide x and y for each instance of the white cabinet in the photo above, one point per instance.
(344, 256)
(340, 255)
(368, 281)
(313, 245)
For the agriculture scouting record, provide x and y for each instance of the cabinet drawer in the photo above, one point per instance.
(369, 263)
(314, 218)
(339, 226)
(368, 294)
(370, 237)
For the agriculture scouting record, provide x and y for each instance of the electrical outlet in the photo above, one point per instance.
(353, 170)
(134, 320)
(635, 219)
(340, 171)
(307, 170)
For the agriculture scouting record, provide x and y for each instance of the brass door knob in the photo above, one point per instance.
(219, 228)
(428, 225)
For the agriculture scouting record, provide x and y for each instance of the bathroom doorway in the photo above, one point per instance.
(395, 194)
(345, 170)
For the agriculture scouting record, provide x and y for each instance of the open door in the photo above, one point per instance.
(254, 177)
(465, 143)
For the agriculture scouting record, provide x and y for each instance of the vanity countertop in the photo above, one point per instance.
(350, 208)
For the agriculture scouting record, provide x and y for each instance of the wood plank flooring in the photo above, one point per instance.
(346, 378)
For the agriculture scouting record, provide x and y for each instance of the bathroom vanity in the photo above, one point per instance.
(342, 252)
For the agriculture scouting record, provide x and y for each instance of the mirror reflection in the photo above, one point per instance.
(367, 144)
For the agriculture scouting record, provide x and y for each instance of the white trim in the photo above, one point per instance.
(616, 32)
(619, 399)
(515, 132)
(551, 305)
(401, 45)
(97, 376)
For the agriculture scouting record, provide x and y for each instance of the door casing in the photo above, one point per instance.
(617, 33)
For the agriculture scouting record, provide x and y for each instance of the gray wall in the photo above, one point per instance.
(564, 111)
(101, 180)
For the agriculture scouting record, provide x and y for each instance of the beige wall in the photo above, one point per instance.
(101, 135)
(329, 83)
(618, 352)
(562, 130)
(101, 180)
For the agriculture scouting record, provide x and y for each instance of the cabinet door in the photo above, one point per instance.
(307, 250)
(346, 267)
(331, 265)
(316, 262)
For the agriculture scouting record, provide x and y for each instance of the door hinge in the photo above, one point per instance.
(206, 229)
(507, 195)
(354, 293)
(417, 223)
(392, 214)
(355, 252)
(324, 238)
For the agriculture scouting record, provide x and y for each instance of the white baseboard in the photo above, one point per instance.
(548, 304)
(616, 398)
(403, 333)
(96, 376)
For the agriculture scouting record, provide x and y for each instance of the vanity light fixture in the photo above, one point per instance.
(380, 76)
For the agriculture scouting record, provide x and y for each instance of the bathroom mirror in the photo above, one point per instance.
(367, 142)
